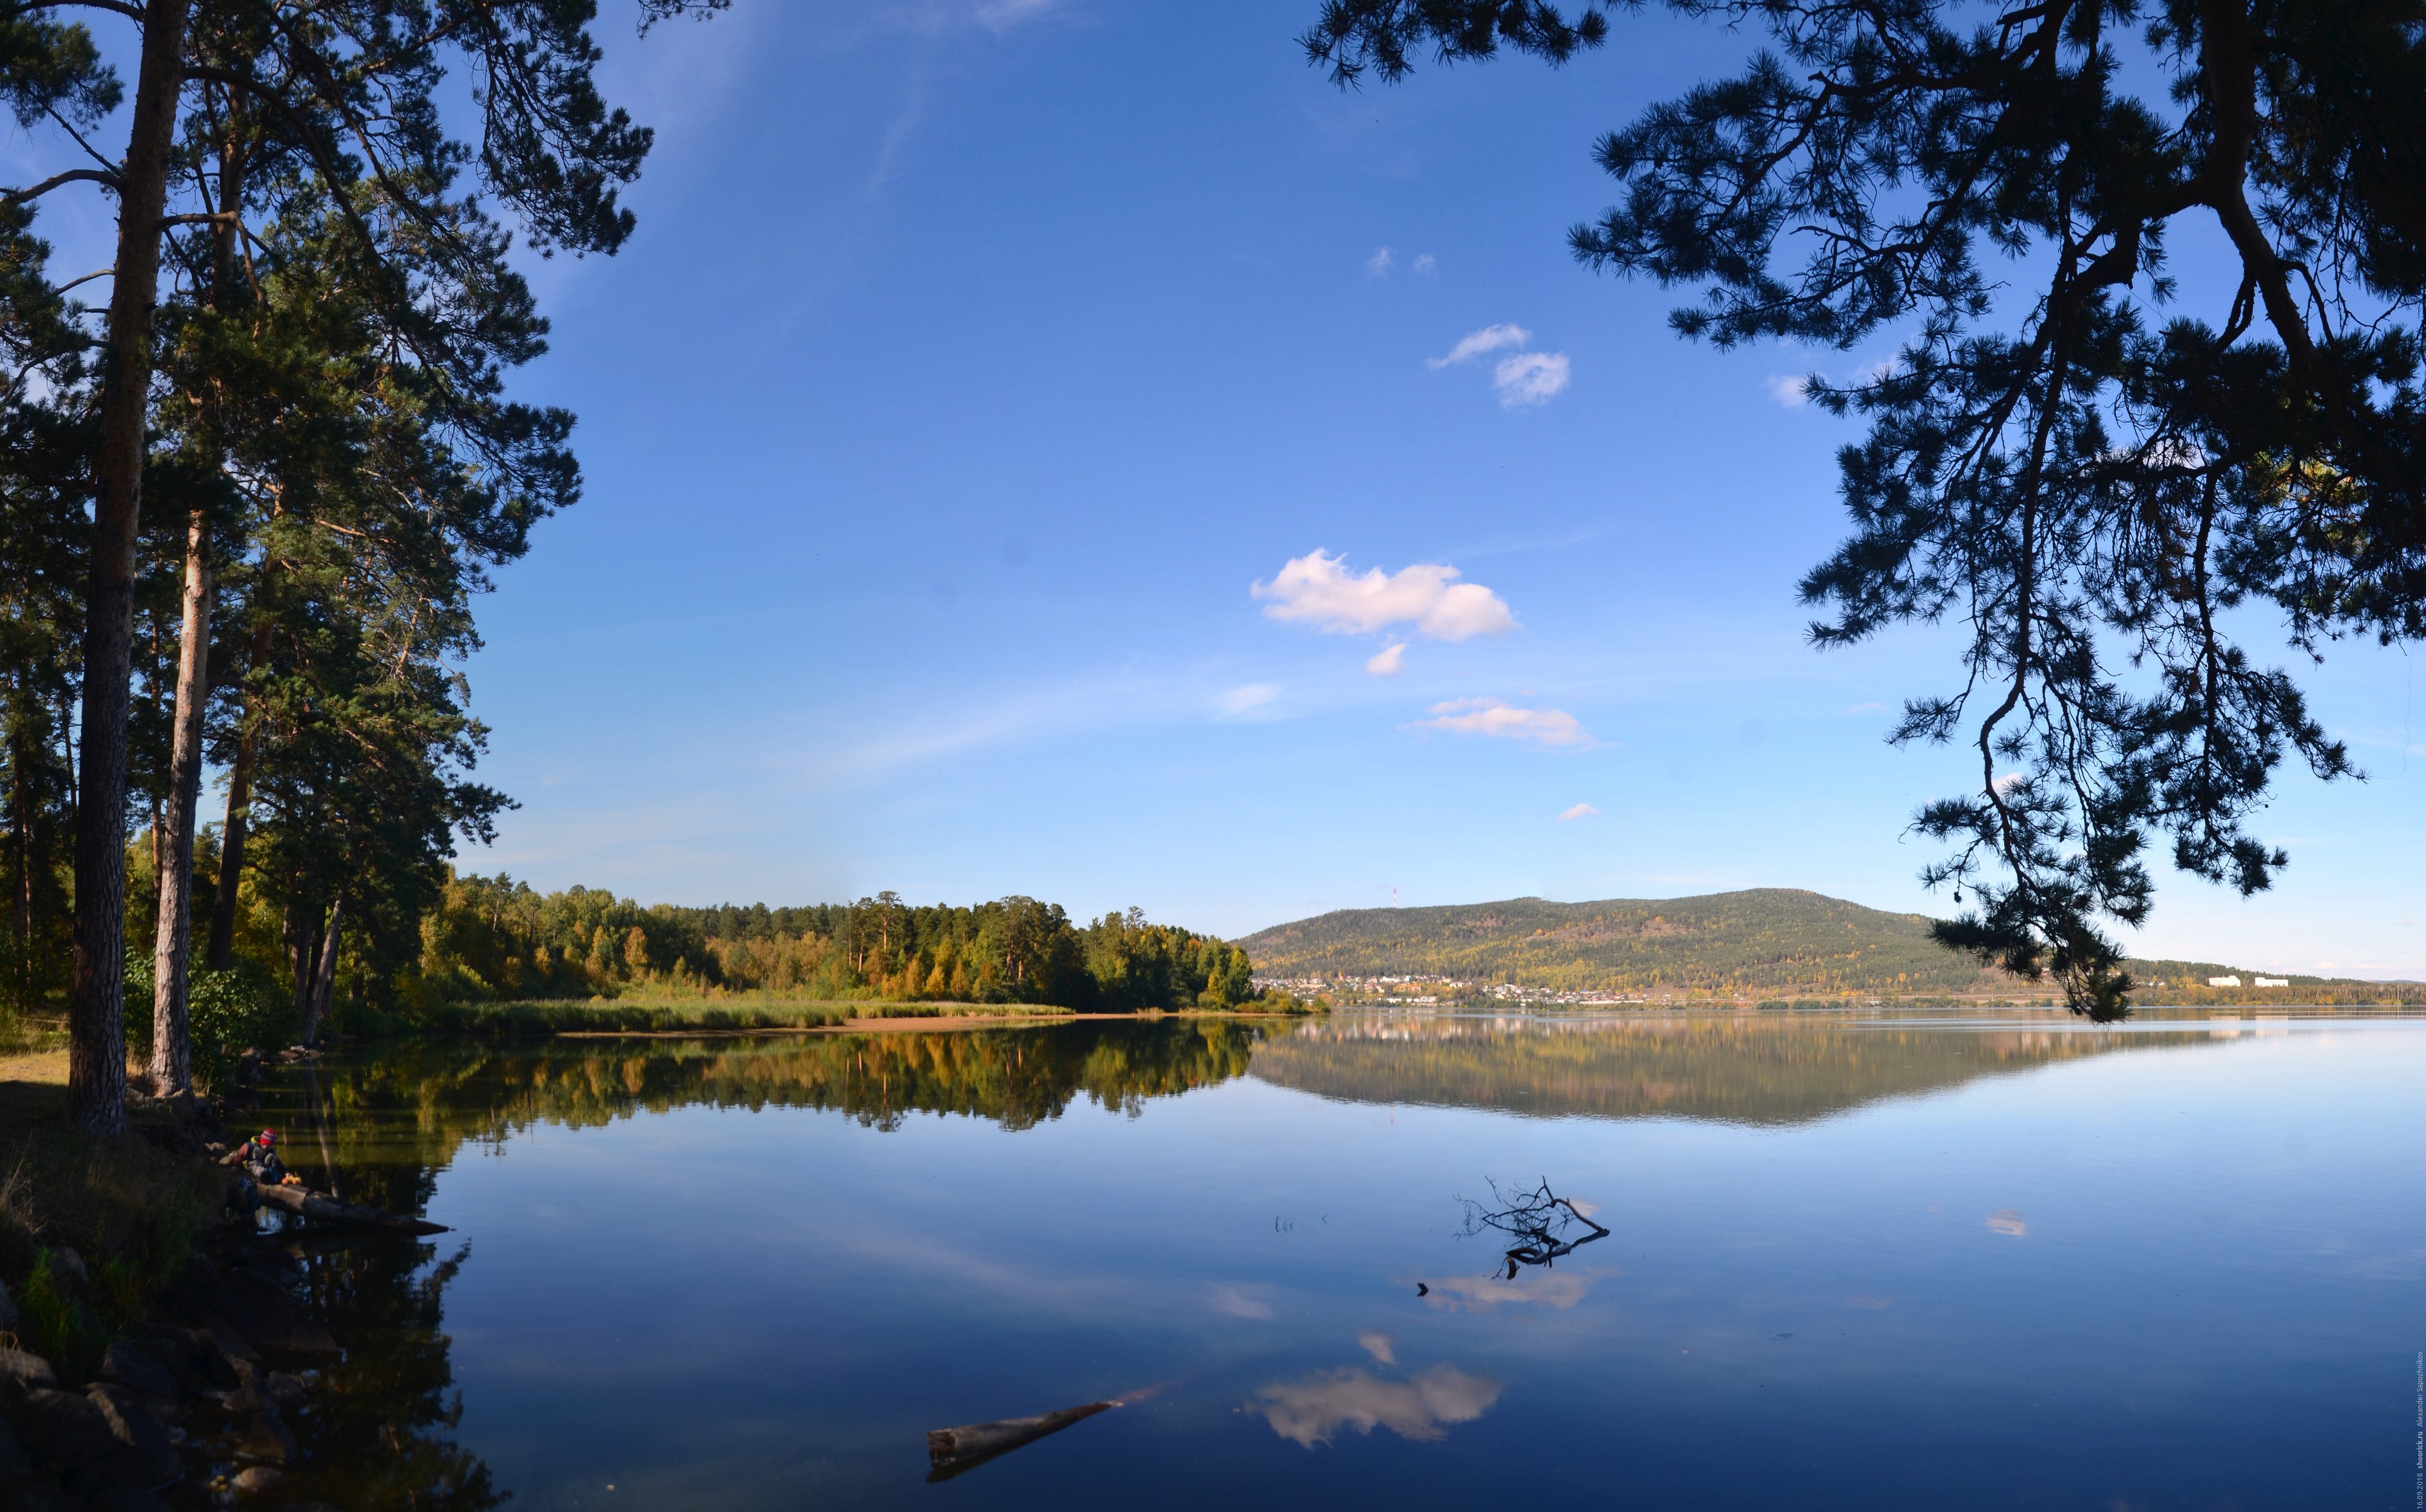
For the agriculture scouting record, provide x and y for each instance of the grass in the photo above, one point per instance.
(129, 1206)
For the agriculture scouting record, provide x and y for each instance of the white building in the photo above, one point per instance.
(2225, 981)
(2270, 981)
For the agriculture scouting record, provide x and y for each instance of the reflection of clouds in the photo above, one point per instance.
(1380, 1345)
(1875, 1304)
(1236, 1301)
(1308, 1412)
(1479, 1293)
(2008, 1222)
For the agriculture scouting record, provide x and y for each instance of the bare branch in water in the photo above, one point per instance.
(1539, 1220)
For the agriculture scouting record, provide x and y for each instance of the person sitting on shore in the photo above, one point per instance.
(261, 1159)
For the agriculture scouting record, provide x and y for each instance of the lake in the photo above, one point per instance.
(1883, 1261)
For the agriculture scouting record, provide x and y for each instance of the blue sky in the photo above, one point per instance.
(974, 360)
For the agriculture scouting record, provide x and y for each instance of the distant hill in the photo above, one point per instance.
(1767, 942)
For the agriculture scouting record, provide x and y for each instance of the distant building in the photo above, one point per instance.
(2228, 981)
(2270, 981)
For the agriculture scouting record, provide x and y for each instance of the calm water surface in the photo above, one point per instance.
(1857, 1262)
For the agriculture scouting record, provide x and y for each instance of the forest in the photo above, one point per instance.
(255, 469)
(497, 940)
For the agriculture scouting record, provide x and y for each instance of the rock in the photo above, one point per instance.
(21, 1372)
(259, 1309)
(63, 1427)
(37, 1496)
(68, 1267)
(270, 1442)
(7, 1309)
(257, 1480)
(283, 1391)
(144, 1456)
(138, 1366)
(234, 1345)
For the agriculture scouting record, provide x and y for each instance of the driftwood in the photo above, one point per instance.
(310, 1204)
(956, 1451)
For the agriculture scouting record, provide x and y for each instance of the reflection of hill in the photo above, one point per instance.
(1740, 1068)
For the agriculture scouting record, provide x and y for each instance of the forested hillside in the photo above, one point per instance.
(1765, 941)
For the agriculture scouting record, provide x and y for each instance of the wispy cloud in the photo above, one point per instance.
(1308, 1412)
(1793, 393)
(1389, 661)
(1581, 811)
(1505, 721)
(1522, 378)
(1247, 699)
(1002, 15)
(1529, 378)
(1481, 1293)
(1424, 264)
(1380, 1345)
(1489, 339)
(1868, 708)
(1319, 589)
(1379, 264)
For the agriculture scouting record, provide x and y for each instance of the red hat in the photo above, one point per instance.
(269, 1136)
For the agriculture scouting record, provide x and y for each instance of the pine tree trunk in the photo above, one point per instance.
(324, 978)
(172, 1059)
(96, 1032)
(221, 954)
(172, 952)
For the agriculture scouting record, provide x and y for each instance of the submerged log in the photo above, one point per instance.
(310, 1204)
(956, 1451)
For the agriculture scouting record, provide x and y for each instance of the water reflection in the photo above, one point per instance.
(1740, 1067)
(1309, 1412)
(409, 1111)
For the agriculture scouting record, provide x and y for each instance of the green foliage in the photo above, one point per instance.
(234, 1010)
(495, 940)
(51, 1322)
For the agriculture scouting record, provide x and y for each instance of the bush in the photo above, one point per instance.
(226, 1014)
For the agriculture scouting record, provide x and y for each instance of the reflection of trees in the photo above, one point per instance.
(380, 1131)
(1747, 1069)
(383, 1421)
(408, 1112)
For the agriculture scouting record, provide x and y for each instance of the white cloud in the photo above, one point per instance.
(1380, 1345)
(1235, 1301)
(1868, 708)
(1793, 393)
(1318, 588)
(1489, 339)
(1389, 661)
(1529, 378)
(2007, 783)
(1482, 1293)
(1308, 1412)
(1247, 699)
(1504, 721)
(1581, 811)
(1379, 264)
(1424, 264)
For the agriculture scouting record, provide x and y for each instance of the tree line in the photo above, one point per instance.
(246, 500)
(497, 940)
